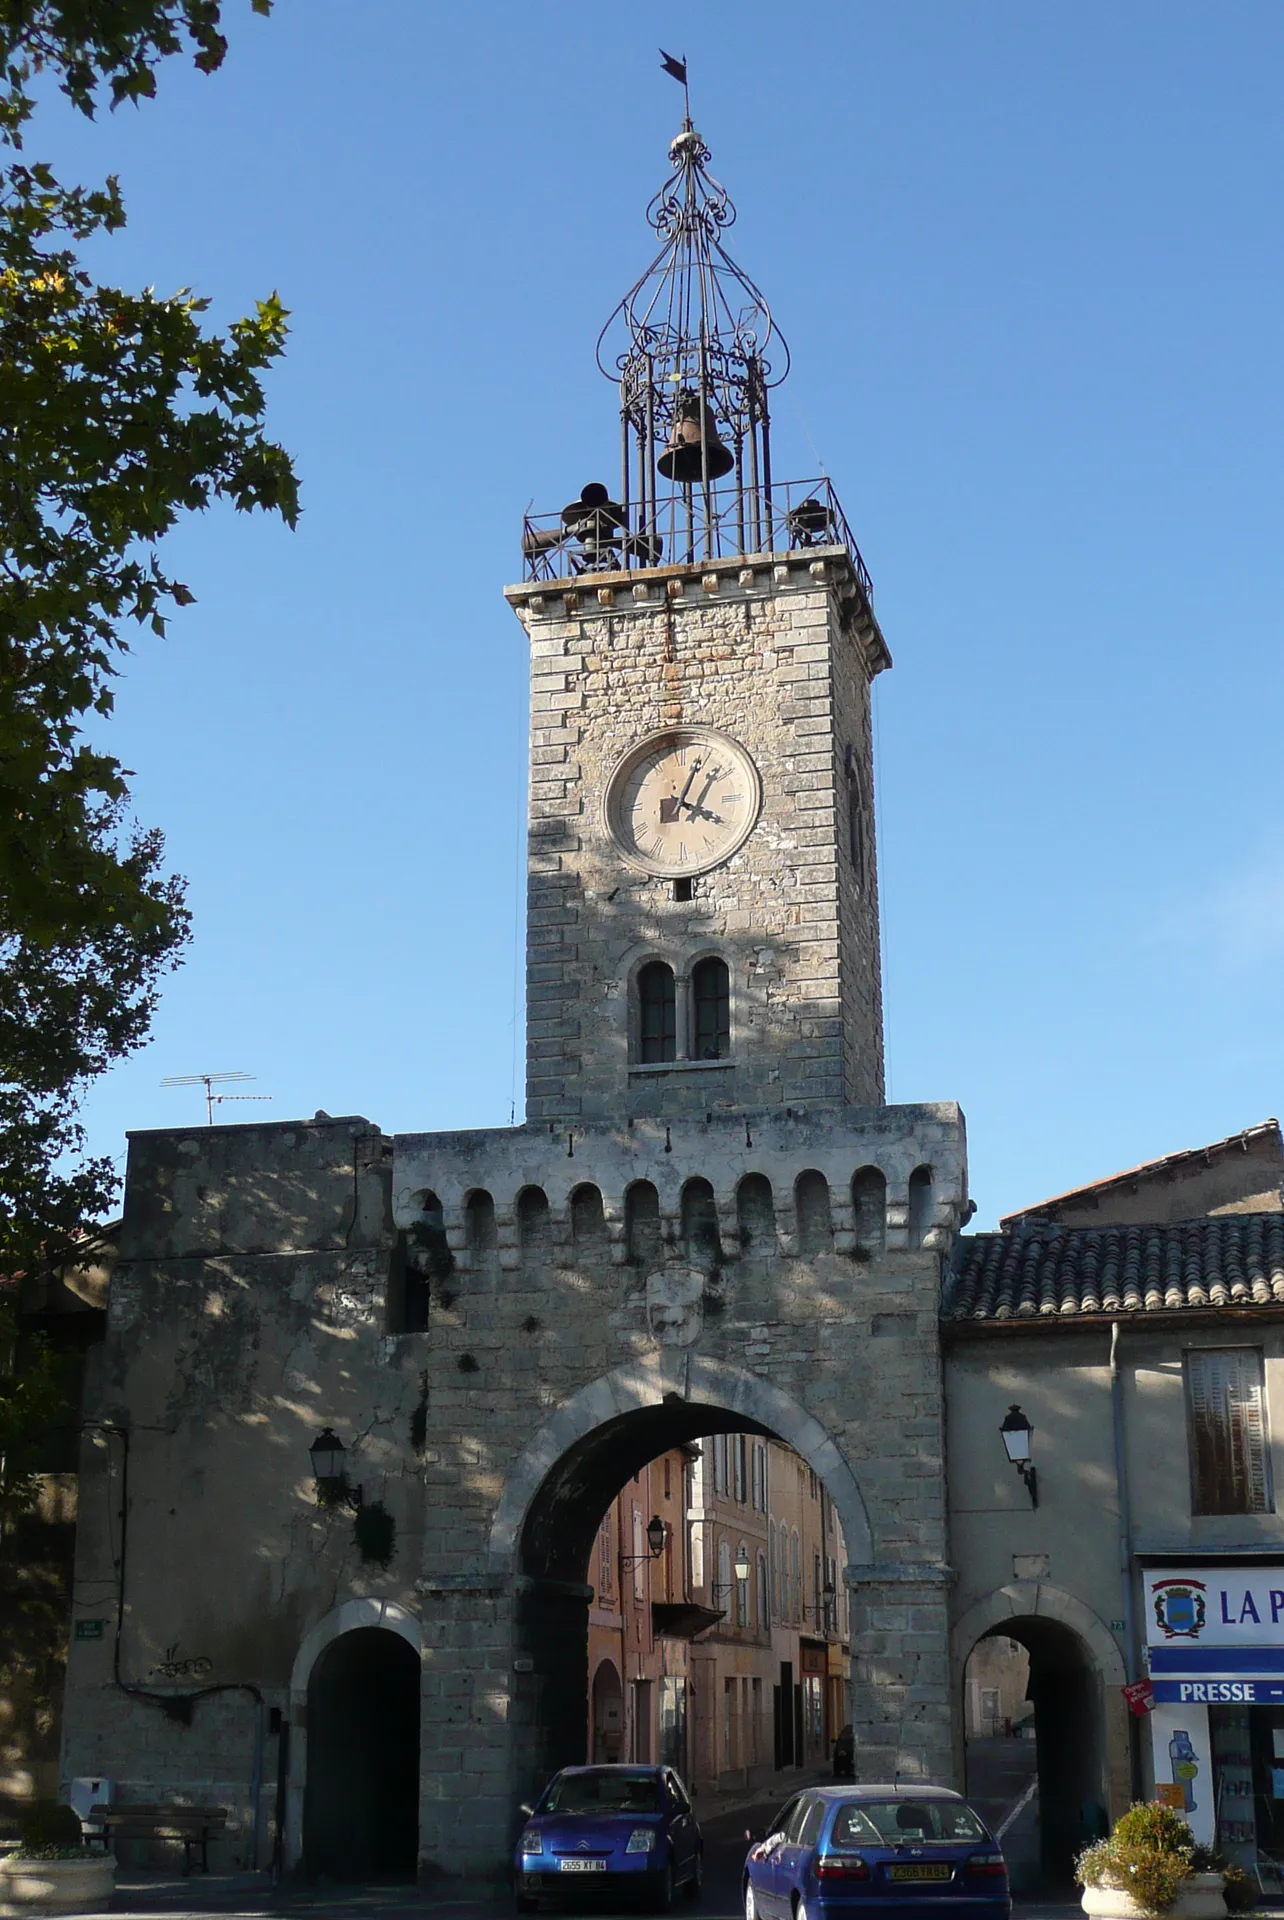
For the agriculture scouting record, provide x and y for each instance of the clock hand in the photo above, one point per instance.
(697, 807)
(682, 797)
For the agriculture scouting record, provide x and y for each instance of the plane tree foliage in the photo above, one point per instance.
(119, 412)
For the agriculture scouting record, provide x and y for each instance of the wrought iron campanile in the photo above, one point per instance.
(696, 355)
(689, 344)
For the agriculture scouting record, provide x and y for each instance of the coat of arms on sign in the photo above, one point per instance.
(675, 1306)
(1179, 1606)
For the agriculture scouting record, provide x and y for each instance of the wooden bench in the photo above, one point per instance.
(194, 1826)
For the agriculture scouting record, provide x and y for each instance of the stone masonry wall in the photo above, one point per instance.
(255, 1303)
(780, 656)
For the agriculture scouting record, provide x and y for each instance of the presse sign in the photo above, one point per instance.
(1216, 1634)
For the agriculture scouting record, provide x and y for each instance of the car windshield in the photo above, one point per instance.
(863, 1823)
(611, 1790)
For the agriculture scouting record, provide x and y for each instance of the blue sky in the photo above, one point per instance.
(1027, 259)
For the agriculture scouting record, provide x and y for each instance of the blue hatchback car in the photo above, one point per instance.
(629, 1829)
(877, 1853)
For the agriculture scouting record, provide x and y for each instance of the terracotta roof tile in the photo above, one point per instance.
(1043, 1271)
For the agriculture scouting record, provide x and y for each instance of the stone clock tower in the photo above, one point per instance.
(703, 905)
(411, 1372)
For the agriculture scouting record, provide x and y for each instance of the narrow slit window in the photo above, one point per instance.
(711, 998)
(1226, 1401)
(658, 1013)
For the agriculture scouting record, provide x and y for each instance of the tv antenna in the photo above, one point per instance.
(209, 1081)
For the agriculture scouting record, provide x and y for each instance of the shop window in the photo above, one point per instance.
(657, 1013)
(711, 1007)
(1226, 1409)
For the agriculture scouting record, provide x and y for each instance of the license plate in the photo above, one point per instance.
(583, 1866)
(920, 1873)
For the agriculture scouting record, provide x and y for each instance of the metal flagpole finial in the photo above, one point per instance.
(678, 69)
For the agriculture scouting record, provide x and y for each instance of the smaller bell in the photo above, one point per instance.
(683, 458)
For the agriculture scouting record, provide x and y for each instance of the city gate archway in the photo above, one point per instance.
(550, 1537)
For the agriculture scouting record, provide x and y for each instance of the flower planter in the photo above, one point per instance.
(85, 1885)
(1201, 1898)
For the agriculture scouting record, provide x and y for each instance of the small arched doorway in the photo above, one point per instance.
(361, 1800)
(1036, 1759)
(608, 1714)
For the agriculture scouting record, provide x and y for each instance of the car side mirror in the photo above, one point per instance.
(755, 1833)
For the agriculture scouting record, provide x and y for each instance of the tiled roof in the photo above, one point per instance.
(1045, 1272)
(1265, 1134)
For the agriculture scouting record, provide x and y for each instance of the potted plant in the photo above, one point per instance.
(1151, 1865)
(52, 1869)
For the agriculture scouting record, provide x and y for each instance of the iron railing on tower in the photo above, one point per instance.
(596, 534)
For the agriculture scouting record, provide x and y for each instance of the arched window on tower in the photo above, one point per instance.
(756, 1214)
(920, 1205)
(700, 1236)
(479, 1221)
(588, 1222)
(857, 824)
(534, 1226)
(869, 1209)
(657, 1013)
(642, 1224)
(711, 1010)
(815, 1219)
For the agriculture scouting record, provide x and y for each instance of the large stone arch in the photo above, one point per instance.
(693, 1381)
(1035, 1599)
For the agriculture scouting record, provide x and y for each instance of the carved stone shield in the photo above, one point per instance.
(675, 1306)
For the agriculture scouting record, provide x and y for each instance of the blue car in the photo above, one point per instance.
(629, 1829)
(876, 1853)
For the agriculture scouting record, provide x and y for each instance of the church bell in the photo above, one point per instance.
(683, 458)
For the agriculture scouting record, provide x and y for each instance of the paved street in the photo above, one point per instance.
(157, 1896)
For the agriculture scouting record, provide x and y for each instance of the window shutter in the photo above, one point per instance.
(1230, 1464)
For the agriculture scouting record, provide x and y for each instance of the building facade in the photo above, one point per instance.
(363, 1400)
(1147, 1359)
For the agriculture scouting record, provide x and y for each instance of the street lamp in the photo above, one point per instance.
(329, 1459)
(1015, 1432)
(656, 1535)
(740, 1570)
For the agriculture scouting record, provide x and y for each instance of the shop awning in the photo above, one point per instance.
(682, 1619)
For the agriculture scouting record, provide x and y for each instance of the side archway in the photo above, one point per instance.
(1063, 1678)
(353, 1616)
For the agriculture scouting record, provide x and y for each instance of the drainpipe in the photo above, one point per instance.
(1131, 1661)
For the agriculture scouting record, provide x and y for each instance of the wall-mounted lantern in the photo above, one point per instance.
(656, 1535)
(740, 1570)
(329, 1459)
(1015, 1432)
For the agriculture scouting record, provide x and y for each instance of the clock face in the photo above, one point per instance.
(682, 801)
